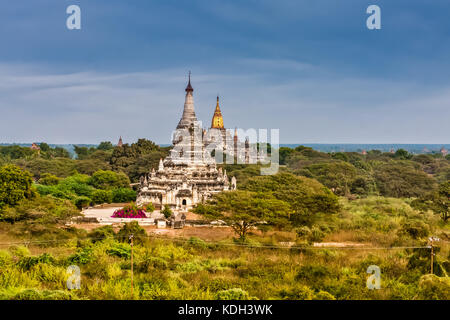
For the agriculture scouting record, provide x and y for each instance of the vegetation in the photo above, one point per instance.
(363, 201)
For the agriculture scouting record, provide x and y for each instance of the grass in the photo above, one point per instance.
(168, 268)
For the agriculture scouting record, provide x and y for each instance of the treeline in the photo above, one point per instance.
(133, 160)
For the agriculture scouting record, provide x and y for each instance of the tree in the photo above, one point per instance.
(131, 228)
(305, 196)
(402, 154)
(121, 195)
(15, 185)
(49, 179)
(105, 145)
(284, 153)
(101, 196)
(167, 212)
(83, 152)
(106, 179)
(438, 202)
(403, 179)
(243, 210)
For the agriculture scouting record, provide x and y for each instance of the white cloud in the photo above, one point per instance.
(309, 105)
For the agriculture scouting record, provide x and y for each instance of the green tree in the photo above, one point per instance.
(131, 228)
(106, 179)
(101, 196)
(105, 145)
(49, 179)
(284, 153)
(15, 185)
(167, 212)
(243, 210)
(121, 195)
(305, 196)
(402, 179)
(438, 202)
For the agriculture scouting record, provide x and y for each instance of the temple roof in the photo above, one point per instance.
(217, 120)
(189, 86)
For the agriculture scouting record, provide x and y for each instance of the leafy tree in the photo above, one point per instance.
(121, 195)
(244, 210)
(284, 153)
(305, 196)
(105, 179)
(49, 179)
(42, 210)
(438, 202)
(83, 152)
(105, 145)
(402, 154)
(16, 152)
(149, 207)
(82, 202)
(101, 196)
(15, 185)
(44, 147)
(167, 212)
(131, 228)
(401, 179)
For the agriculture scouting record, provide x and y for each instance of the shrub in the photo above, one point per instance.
(167, 212)
(131, 228)
(149, 207)
(106, 179)
(82, 202)
(28, 294)
(49, 179)
(432, 287)
(123, 195)
(323, 295)
(299, 292)
(232, 294)
(415, 229)
(15, 185)
(99, 234)
(120, 250)
(101, 196)
(82, 256)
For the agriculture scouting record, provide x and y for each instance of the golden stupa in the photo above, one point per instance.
(217, 120)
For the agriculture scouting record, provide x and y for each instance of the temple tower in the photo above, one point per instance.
(217, 119)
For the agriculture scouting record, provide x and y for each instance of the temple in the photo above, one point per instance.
(189, 175)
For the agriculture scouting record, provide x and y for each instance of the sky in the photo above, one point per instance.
(311, 69)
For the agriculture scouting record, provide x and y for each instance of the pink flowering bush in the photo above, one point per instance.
(129, 211)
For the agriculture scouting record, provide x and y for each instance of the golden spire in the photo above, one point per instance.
(217, 120)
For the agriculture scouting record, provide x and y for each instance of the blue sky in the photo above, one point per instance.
(310, 68)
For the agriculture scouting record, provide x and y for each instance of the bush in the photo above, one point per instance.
(48, 179)
(432, 287)
(82, 202)
(149, 207)
(121, 195)
(132, 228)
(232, 294)
(299, 292)
(105, 179)
(414, 229)
(28, 294)
(101, 233)
(15, 185)
(101, 196)
(167, 212)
